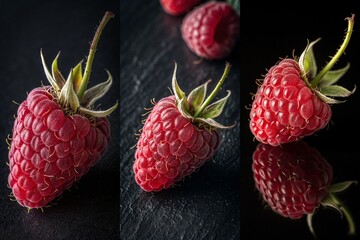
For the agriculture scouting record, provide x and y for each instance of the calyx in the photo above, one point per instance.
(197, 107)
(324, 82)
(72, 93)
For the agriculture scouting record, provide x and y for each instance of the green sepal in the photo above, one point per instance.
(68, 92)
(327, 99)
(309, 220)
(235, 4)
(212, 123)
(50, 78)
(206, 122)
(197, 97)
(56, 74)
(336, 91)
(77, 76)
(333, 76)
(99, 113)
(179, 94)
(193, 107)
(342, 186)
(182, 106)
(325, 89)
(331, 201)
(68, 96)
(93, 94)
(216, 108)
(307, 61)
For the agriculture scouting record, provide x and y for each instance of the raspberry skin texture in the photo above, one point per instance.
(211, 30)
(50, 150)
(178, 7)
(170, 147)
(293, 178)
(284, 108)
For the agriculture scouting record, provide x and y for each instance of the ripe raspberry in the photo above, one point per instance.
(211, 30)
(178, 7)
(294, 179)
(293, 101)
(58, 135)
(179, 136)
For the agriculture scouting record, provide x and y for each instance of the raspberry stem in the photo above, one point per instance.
(340, 51)
(214, 92)
(347, 214)
(83, 85)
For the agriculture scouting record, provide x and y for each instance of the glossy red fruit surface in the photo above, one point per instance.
(178, 7)
(50, 150)
(294, 98)
(170, 147)
(211, 30)
(293, 179)
(58, 133)
(284, 108)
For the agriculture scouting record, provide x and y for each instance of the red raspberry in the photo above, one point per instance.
(285, 109)
(179, 136)
(178, 7)
(171, 147)
(211, 30)
(51, 150)
(293, 101)
(295, 180)
(57, 135)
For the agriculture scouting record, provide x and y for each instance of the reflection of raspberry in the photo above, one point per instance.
(211, 30)
(178, 7)
(293, 178)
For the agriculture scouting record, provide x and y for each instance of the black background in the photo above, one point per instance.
(271, 31)
(90, 210)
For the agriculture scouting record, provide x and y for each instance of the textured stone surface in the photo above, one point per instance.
(206, 204)
(90, 210)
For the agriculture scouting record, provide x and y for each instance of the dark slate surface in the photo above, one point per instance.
(90, 211)
(206, 204)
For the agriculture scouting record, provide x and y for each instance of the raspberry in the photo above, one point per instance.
(295, 180)
(50, 150)
(171, 147)
(285, 109)
(293, 101)
(178, 7)
(211, 30)
(58, 134)
(178, 137)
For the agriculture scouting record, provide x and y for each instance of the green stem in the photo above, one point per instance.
(90, 58)
(309, 220)
(346, 212)
(341, 50)
(352, 229)
(214, 92)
